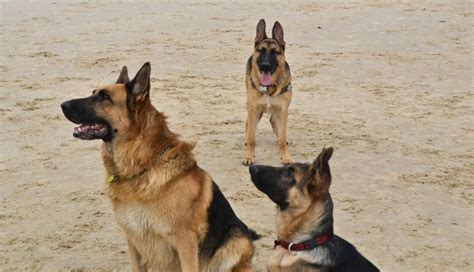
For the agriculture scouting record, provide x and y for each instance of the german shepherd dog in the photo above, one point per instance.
(174, 216)
(306, 241)
(268, 83)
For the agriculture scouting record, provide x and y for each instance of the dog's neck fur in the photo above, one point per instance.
(143, 146)
(303, 224)
(315, 220)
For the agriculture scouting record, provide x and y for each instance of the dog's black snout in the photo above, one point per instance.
(66, 105)
(265, 66)
(253, 169)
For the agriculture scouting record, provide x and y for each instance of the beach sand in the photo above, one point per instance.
(388, 85)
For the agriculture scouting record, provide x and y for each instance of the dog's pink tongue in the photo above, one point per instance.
(266, 79)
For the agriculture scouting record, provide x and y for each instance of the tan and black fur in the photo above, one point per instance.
(174, 216)
(268, 61)
(304, 211)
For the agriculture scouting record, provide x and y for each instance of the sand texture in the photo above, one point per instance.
(388, 84)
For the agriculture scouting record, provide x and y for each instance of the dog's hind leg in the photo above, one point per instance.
(233, 256)
(281, 120)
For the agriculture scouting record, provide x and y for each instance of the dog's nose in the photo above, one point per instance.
(265, 66)
(253, 169)
(66, 105)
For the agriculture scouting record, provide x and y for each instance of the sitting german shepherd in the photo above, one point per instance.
(304, 219)
(174, 216)
(268, 82)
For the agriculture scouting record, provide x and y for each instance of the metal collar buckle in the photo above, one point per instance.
(289, 249)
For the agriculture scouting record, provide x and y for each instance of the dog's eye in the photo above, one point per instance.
(274, 52)
(262, 50)
(289, 172)
(104, 96)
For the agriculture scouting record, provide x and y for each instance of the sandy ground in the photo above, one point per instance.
(388, 85)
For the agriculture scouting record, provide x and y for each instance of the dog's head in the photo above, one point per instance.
(112, 110)
(295, 185)
(269, 53)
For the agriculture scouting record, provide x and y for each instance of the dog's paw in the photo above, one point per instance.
(287, 160)
(247, 162)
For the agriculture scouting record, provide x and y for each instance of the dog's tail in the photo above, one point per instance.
(254, 235)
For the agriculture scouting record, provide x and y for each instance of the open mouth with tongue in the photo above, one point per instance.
(91, 131)
(266, 78)
(91, 126)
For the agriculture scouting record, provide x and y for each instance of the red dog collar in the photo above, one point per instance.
(305, 245)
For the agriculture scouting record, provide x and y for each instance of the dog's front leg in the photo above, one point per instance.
(135, 258)
(188, 251)
(251, 126)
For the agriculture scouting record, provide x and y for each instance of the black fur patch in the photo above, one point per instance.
(347, 258)
(81, 111)
(287, 68)
(267, 61)
(223, 224)
(249, 64)
(274, 181)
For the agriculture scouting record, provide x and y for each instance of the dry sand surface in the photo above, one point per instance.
(388, 85)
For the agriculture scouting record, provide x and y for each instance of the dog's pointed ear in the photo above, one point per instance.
(321, 165)
(277, 34)
(319, 178)
(123, 77)
(261, 33)
(139, 87)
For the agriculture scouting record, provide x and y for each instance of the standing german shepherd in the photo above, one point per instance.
(268, 82)
(304, 219)
(173, 214)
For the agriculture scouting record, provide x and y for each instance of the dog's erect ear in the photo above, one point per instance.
(321, 165)
(277, 34)
(261, 33)
(123, 77)
(140, 86)
(319, 178)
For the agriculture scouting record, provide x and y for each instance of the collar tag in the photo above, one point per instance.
(263, 89)
(112, 178)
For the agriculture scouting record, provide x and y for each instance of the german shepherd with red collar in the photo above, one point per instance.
(173, 214)
(268, 83)
(305, 219)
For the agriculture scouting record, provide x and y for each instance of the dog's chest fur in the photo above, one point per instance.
(272, 104)
(139, 219)
(145, 228)
(282, 260)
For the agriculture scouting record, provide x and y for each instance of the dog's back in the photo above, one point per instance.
(348, 258)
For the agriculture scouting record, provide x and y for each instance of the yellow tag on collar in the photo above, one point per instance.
(112, 178)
